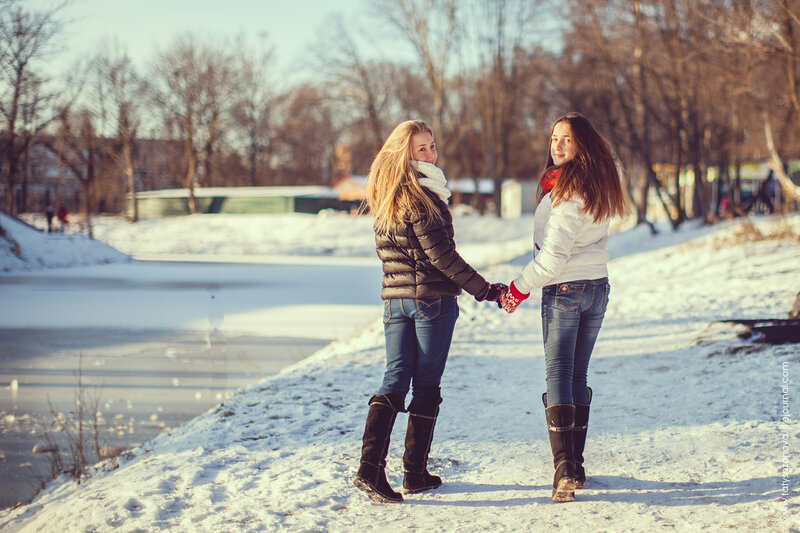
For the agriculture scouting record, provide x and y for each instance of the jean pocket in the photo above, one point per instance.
(387, 311)
(429, 308)
(605, 299)
(569, 296)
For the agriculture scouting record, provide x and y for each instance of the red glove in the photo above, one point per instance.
(511, 299)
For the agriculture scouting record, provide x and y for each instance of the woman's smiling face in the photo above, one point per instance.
(423, 148)
(562, 147)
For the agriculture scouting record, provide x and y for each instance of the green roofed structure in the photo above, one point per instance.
(240, 200)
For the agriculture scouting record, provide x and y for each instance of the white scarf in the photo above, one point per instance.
(434, 179)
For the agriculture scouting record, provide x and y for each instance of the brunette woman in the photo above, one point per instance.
(579, 192)
(423, 275)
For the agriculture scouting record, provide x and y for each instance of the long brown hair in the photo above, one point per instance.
(593, 174)
(393, 192)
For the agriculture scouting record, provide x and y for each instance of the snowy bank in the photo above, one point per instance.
(686, 430)
(24, 248)
(257, 239)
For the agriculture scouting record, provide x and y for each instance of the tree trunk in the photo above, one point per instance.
(253, 158)
(191, 162)
(87, 186)
(10, 174)
(87, 210)
(127, 154)
(791, 58)
(790, 190)
(12, 157)
(700, 198)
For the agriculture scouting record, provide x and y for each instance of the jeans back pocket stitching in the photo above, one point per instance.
(423, 308)
(572, 292)
(387, 311)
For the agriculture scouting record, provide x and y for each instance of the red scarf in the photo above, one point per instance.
(548, 180)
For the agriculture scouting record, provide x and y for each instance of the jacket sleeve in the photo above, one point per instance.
(561, 232)
(440, 250)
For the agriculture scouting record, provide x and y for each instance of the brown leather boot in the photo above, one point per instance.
(560, 423)
(419, 435)
(371, 476)
(579, 438)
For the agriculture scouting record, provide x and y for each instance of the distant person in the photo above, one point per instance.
(422, 276)
(767, 192)
(722, 198)
(63, 217)
(579, 191)
(49, 214)
(724, 205)
(748, 200)
(764, 196)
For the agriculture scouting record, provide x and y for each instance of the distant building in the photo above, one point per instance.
(241, 200)
(517, 197)
(472, 191)
(351, 187)
(44, 182)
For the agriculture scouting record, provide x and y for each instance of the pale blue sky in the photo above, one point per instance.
(292, 27)
(143, 26)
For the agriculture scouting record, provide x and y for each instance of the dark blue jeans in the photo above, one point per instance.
(418, 335)
(572, 314)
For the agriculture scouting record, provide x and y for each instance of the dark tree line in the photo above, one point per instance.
(681, 87)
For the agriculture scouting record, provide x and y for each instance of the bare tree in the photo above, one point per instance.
(359, 85)
(25, 39)
(622, 54)
(253, 109)
(432, 28)
(78, 147)
(368, 95)
(121, 95)
(767, 34)
(192, 87)
(790, 190)
(499, 34)
(31, 122)
(771, 27)
(305, 138)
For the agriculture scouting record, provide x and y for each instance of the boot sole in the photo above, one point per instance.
(373, 494)
(565, 491)
(421, 489)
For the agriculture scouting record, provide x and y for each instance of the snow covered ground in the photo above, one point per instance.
(24, 249)
(262, 238)
(691, 428)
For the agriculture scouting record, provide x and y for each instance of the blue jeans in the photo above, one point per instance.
(418, 335)
(572, 314)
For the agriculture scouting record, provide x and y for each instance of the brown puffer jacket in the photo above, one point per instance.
(420, 260)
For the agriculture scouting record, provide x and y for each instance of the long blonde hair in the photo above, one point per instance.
(393, 192)
(592, 174)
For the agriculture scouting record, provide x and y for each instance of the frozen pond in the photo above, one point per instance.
(157, 343)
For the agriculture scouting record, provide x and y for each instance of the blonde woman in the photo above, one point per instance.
(423, 275)
(579, 191)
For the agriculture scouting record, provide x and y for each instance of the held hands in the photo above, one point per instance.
(511, 299)
(493, 293)
(507, 297)
(496, 291)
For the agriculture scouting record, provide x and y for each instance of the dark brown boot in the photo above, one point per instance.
(579, 438)
(560, 423)
(419, 435)
(371, 476)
